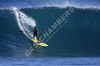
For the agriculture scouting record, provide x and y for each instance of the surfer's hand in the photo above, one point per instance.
(38, 34)
(30, 32)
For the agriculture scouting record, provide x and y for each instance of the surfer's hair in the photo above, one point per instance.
(35, 27)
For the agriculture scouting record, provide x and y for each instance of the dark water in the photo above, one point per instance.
(77, 38)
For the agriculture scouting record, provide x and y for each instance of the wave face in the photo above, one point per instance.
(50, 3)
(76, 38)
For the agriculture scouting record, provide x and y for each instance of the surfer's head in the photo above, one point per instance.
(35, 27)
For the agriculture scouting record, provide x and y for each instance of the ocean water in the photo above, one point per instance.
(72, 33)
(30, 61)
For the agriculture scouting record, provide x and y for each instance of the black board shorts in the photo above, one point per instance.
(35, 34)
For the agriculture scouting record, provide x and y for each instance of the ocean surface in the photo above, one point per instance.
(72, 33)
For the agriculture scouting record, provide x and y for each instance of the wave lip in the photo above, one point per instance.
(51, 3)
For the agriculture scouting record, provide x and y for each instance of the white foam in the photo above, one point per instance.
(55, 3)
(24, 22)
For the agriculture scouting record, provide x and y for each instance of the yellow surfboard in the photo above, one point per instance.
(43, 45)
(35, 41)
(40, 43)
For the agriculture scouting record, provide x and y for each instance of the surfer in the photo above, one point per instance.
(35, 33)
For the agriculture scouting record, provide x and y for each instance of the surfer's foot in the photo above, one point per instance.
(38, 42)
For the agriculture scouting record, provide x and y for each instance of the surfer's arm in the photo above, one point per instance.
(38, 32)
(31, 31)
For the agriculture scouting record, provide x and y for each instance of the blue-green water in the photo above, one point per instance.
(78, 37)
(73, 40)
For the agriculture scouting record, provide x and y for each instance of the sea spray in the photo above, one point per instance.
(25, 23)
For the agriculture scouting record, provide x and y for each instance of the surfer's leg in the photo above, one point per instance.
(36, 37)
(33, 36)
